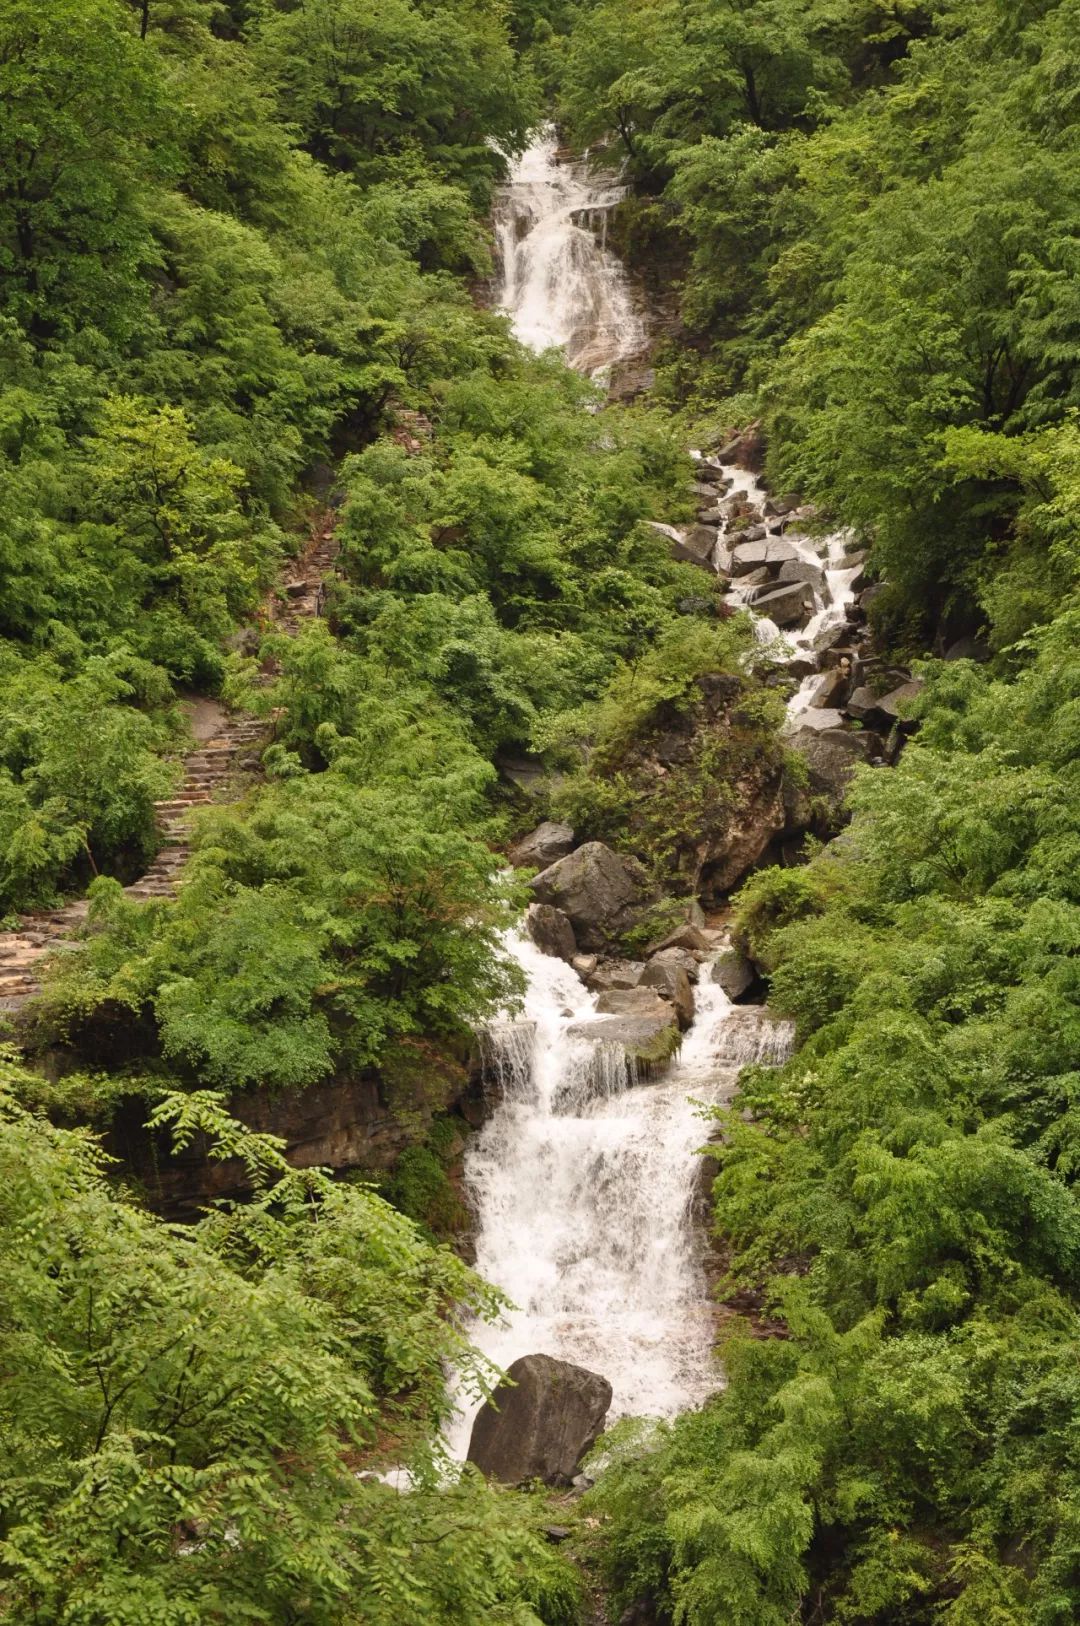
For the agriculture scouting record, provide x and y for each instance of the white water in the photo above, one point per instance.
(831, 606)
(557, 279)
(584, 1186)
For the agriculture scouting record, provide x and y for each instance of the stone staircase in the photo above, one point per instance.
(213, 772)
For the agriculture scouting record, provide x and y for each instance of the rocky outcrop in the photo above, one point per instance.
(543, 846)
(637, 1019)
(550, 930)
(540, 1422)
(601, 893)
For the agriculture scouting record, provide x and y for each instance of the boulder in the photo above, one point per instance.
(832, 755)
(542, 846)
(833, 689)
(869, 594)
(968, 649)
(691, 544)
(540, 1422)
(584, 965)
(804, 570)
(686, 936)
(746, 449)
(668, 976)
(612, 974)
(600, 892)
(778, 507)
(705, 489)
(786, 606)
(752, 533)
(861, 703)
(770, 553)
(895, 706)
(645, 1025)
(551, 931)
(734, 972)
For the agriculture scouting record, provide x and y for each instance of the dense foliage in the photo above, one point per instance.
(876, 205)
(187, 1412)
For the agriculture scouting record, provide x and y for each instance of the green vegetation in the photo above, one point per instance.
(237, 242)
(875, 206)
(189, 1414)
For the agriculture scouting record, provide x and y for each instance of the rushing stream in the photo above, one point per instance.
(584, 1187)
(584, 1182)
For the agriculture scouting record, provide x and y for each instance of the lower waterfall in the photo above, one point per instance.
(584, 1188)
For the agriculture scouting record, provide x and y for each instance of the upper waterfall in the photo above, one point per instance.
(557, 279)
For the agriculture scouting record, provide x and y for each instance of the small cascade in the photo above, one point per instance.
(584, 1187)
(557, 280)
(832, 600)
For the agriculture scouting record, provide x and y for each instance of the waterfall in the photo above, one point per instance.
(557, 279)
(584, 1188)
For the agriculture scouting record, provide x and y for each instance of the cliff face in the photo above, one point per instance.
(343, 1125)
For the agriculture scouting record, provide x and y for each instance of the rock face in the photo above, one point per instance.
(543, 846)
(540, 1423)
(692, 545)
(551, 931)
(601, 893)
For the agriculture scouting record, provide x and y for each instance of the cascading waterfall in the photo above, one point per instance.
(831, 607)
(584, 1186)
(557, 280)
(584, 1181)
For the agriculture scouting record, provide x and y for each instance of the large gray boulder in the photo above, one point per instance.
(645, 1025)
(540, 1422)
(613, 974)
(551, 931)
(600, 892)
(770, 553)
(832, 756)
(734, 972)
(543, 846)
(788, 605)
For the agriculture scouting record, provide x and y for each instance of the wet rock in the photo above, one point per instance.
(542, 846)
(584, 965)
(734, 973)
(869, 595)
(600, 892)
(804, 570)
(612, 974)
(770, 553)
(787, 606)
(666, 973)
(540, 1423)
(551, 931)
(637, 1019)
